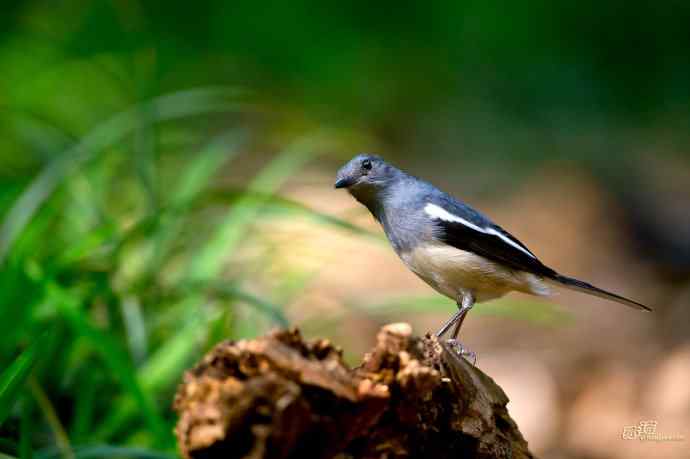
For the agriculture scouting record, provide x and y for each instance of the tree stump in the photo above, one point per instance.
(280, 397)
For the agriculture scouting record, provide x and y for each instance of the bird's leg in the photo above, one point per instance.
(449, 323)
(458, 324)
(465, 303)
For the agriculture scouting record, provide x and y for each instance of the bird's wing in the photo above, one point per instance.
(464, 228)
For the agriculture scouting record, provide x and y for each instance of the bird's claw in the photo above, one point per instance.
(461, 350)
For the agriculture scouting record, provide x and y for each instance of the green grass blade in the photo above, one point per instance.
(13, 379)
(228, 291)
(537, 312)
(106, 451)
(197, 177)
(208, 262)
(134, 327)
(26, 429)
(84, 410)
(115, 358)
(52, 418)
(168, 107)
(206, 164)
(163, 368)
(276, 205)
(169, 361)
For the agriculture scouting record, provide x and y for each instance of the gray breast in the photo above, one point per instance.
(407, 228)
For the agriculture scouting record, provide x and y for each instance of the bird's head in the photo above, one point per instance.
(365, 174)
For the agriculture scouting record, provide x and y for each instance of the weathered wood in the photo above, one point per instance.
(281, 397)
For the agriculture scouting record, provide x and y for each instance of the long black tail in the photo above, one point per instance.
(584, 287)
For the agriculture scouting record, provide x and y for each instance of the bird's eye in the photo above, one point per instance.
(366, 164)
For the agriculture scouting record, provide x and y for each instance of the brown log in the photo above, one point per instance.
(281, 397)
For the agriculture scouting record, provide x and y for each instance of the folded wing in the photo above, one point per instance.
(469, 231)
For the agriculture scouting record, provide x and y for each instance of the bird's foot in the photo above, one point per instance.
(460, 350)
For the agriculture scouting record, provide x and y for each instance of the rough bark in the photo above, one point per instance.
(281, 397)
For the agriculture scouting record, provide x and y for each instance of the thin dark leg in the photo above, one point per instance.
(442, 331)
(458, 324)
(465, 305)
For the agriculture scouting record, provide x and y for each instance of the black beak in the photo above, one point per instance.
(343, 182)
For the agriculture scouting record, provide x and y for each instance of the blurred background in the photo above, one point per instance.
(166, 174)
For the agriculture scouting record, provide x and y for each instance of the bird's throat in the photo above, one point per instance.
(369, 197)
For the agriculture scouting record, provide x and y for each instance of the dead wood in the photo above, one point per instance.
(279, 396)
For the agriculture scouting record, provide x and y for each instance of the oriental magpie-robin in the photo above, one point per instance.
(451, 246)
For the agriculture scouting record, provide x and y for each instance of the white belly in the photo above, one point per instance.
(450, 270)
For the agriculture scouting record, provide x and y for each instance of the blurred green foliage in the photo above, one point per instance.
(119, 236)
(123, 255)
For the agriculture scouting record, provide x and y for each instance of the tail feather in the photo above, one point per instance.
(581, 286)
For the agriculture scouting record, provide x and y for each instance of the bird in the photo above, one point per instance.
(454, 248)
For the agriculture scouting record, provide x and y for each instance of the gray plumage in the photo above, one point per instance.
(453, 247)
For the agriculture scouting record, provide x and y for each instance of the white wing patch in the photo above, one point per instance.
(435, 211)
